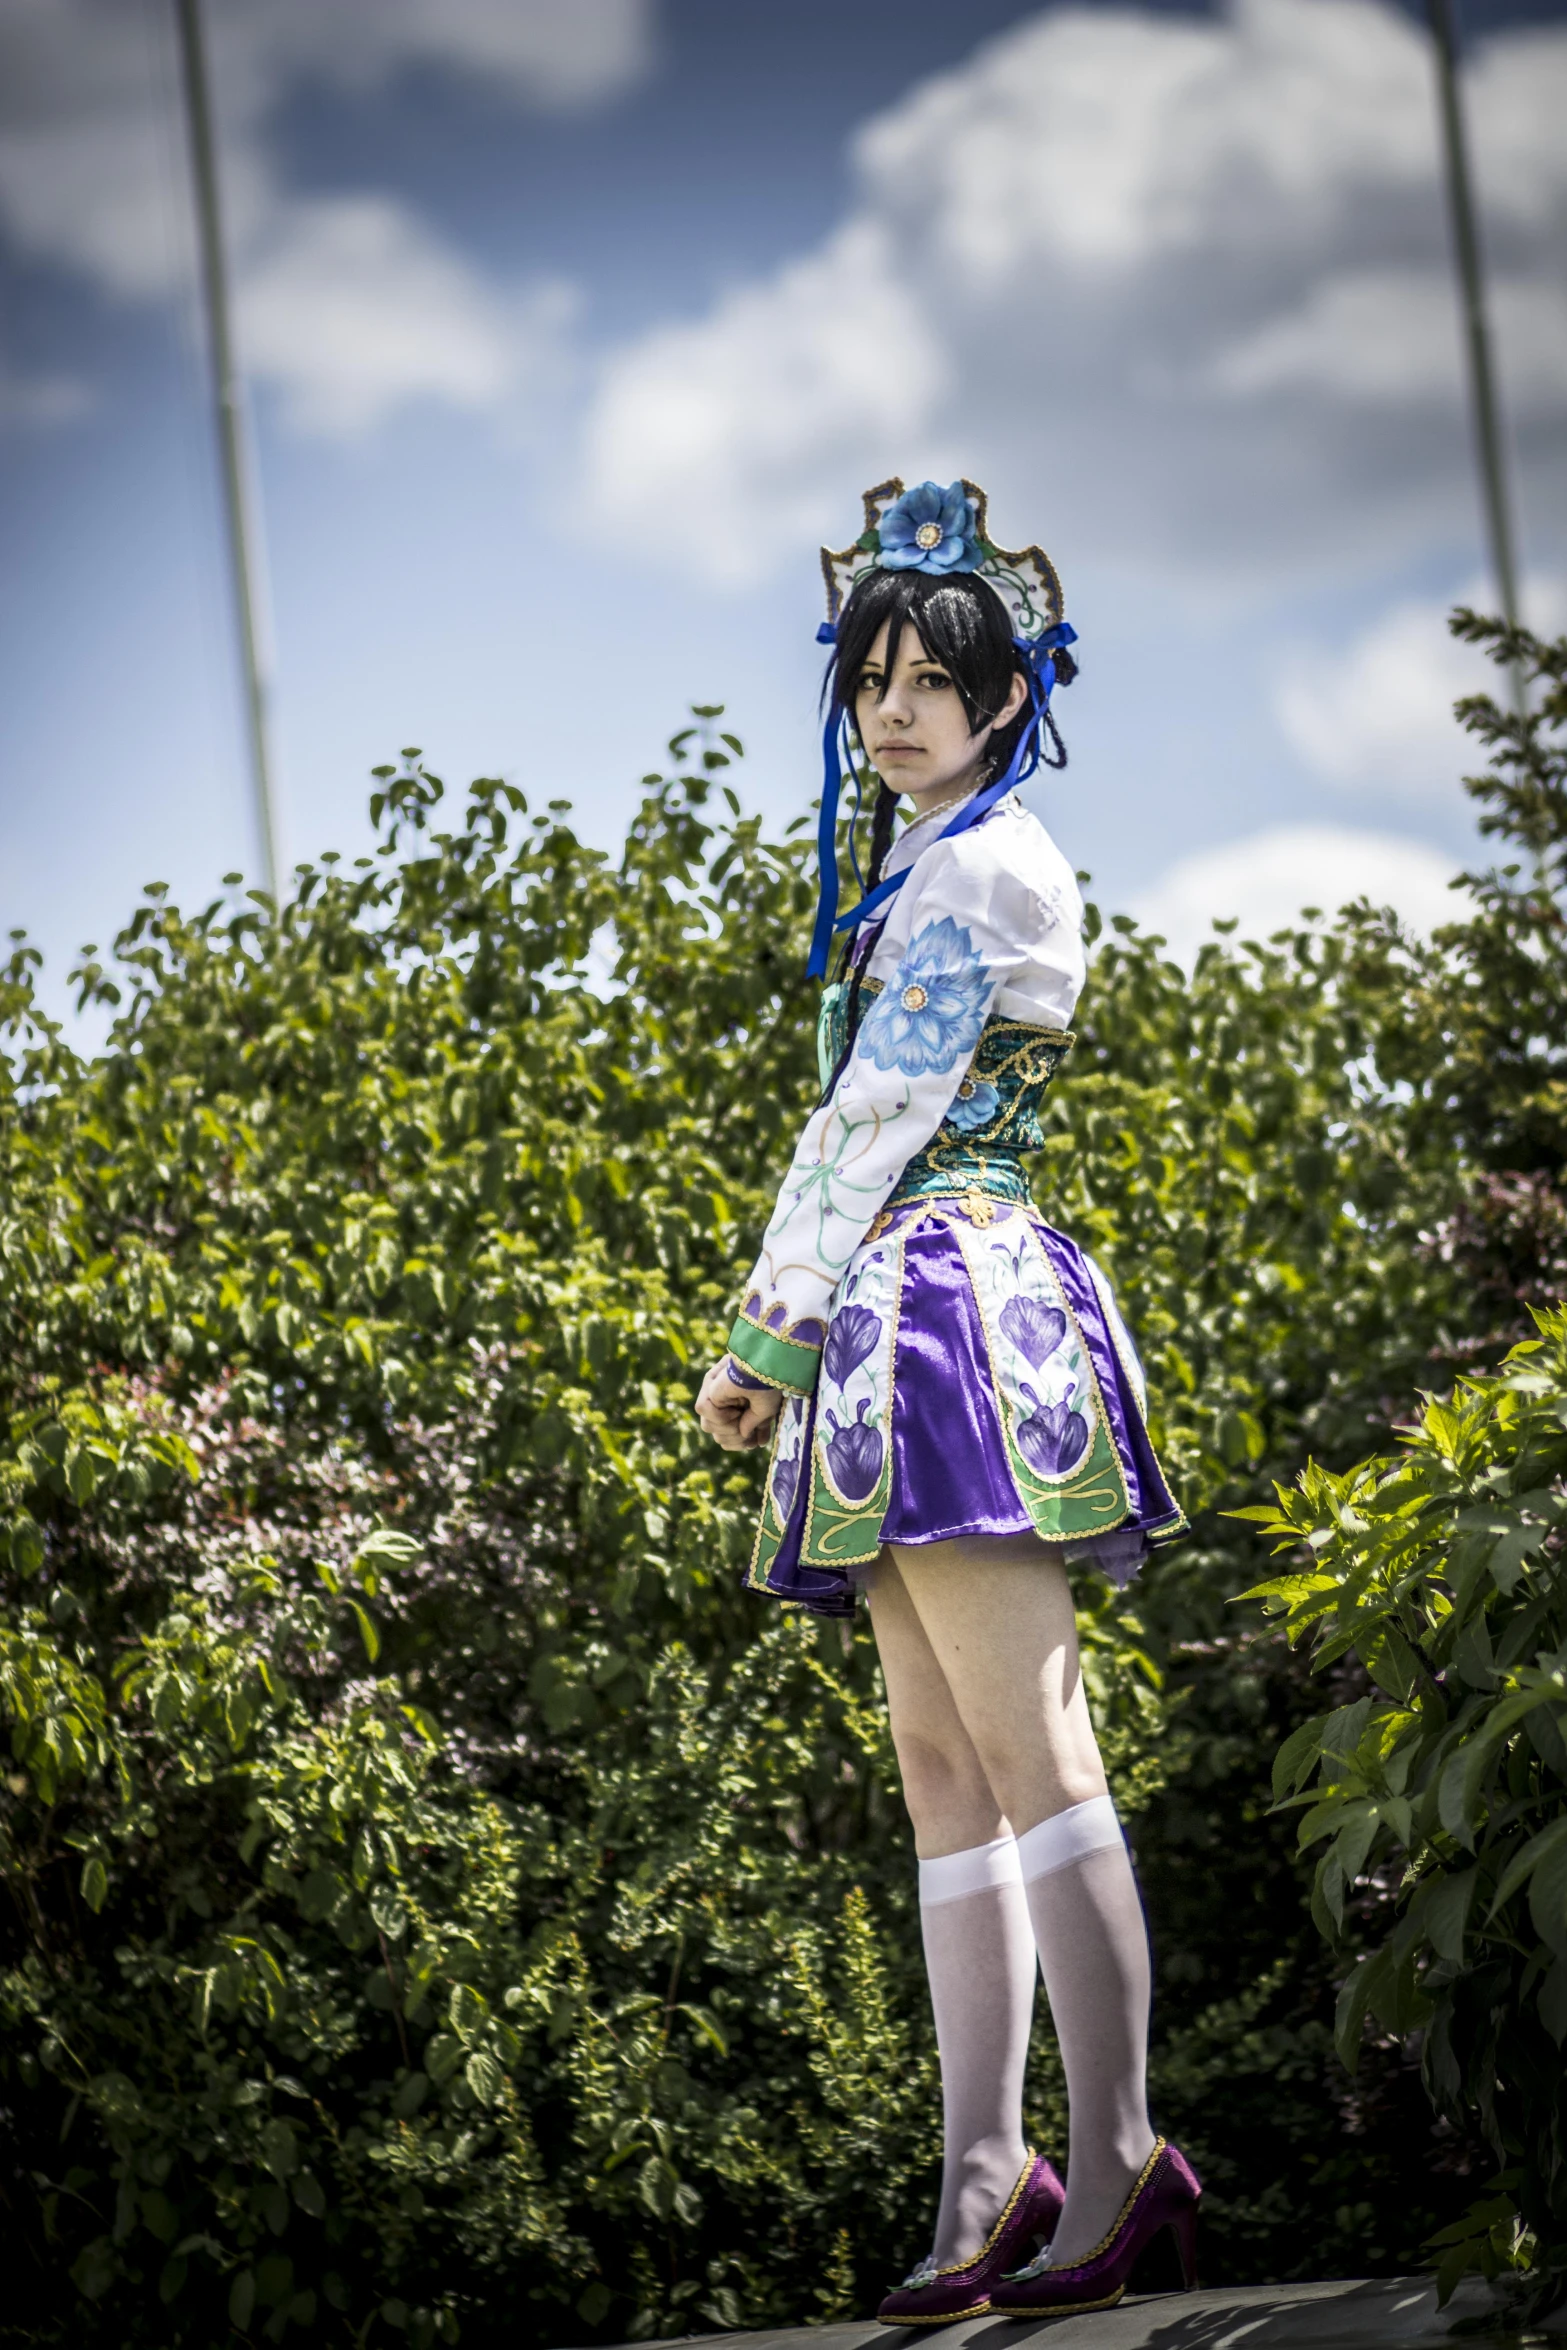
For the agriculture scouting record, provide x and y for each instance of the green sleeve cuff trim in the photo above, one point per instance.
(782, 1362)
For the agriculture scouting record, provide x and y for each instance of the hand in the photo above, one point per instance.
(739, 1417)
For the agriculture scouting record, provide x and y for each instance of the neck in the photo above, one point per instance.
(944, 795)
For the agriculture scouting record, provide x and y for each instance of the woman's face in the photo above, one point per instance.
(913, 724)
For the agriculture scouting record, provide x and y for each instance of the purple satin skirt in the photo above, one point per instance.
(1009, 1401)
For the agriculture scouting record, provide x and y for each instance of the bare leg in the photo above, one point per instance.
(998, 1618)
(1001, 1632)
(979, 1946)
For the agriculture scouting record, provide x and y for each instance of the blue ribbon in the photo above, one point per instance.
(827, 841)
(1040, 671)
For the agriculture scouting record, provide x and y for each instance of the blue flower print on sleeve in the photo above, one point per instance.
(930, 1013)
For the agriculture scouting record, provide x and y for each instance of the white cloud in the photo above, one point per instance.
(1267, 879)
(350, 304)
(1392, 337)
(1377, 713)
(1110, 139)
(1159, 278)
(737, 412)
(545, 53)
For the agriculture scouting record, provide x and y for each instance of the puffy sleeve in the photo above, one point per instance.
(961, 930)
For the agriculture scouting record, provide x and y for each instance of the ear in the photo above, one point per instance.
(1016, 697)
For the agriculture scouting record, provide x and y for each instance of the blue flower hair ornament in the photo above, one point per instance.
(943, 532)
(929, 529)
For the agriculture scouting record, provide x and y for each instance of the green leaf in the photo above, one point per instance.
(443, 2054)
(309, 2194)
(1369, 1979)
(411, 2094)
(468, 2010)
(1355, 1838)
(1293, 1763)
(81, 1473)
(1553, 2001)
(1327, 1898)
(95, 1883)
(1506, 1560)
(388, 1548)
(27, 1547)
(1445, 1911)
(656, 2184)
(706, 2026)
(280, 2148)
(1539, 1848)
(1548, 1897)
(320, 1893)
(1392, 1663)
(484, 2077)
(159, 2216)
(387, 1911)
(95, 2269)
(1455, 1801)
(367, 1631)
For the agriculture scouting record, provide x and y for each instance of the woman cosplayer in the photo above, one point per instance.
(955, 1406)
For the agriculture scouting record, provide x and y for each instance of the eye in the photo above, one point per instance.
(936, 679)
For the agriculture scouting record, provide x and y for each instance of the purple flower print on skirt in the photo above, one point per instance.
(851, 1340)
(1034, 1329)
(1054, 1438)
(786, 1479)
(854, 1452)
(950, 1471)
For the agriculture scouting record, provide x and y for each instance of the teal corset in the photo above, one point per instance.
(994, 1121)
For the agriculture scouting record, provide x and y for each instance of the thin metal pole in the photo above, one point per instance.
(228, 400)
(1477, 331)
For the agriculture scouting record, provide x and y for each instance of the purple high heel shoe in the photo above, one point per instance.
(932, 2296)
(1166, 2196)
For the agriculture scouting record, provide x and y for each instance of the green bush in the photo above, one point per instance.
(440, 1897)
(1442, 1573)
(1433, 1589)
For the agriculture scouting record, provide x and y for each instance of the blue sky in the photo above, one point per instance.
(571, 331)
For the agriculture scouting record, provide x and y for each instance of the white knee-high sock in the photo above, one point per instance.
(979, 1956)
(1093, 1952)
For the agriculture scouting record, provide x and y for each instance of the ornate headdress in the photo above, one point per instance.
(943, 532)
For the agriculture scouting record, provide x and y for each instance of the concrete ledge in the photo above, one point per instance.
(1397, 2313)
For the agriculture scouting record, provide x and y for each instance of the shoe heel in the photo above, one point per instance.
(1184, 2229)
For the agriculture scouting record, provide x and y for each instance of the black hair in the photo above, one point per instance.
(963, 624)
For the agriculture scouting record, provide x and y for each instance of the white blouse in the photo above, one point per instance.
(990, 922)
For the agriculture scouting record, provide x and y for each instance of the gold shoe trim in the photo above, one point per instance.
(1160, 2146)
(949, 2317)
(1057, 2308)
(955, 2268)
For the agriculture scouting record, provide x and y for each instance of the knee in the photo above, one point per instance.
(1040, 1767)
(939, 1780)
